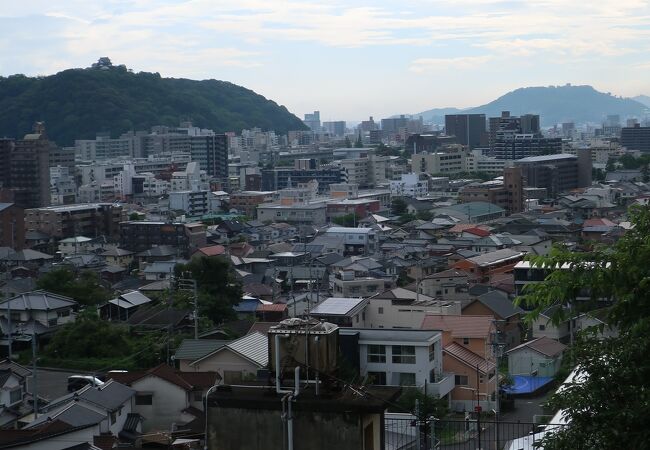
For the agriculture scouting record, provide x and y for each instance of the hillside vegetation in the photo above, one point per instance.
(78, 103)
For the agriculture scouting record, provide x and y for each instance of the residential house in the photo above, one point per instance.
(162, 394)
(507, 316)
(233, 361)
(344, 312)
(410, 358)
(119, 257)
(450, 285)
(485, 267)
(13, 392)
(543, 326)
(358, 241)
(36, 312)
(468, 354)
(106, 409)
(540, 357)
(597, 320)
(123, 306)
(401, 308)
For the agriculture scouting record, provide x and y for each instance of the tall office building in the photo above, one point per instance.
(636, 138)
(211, 152)
(336, 128)
(25, 169)
(392, 125)
(469, 129)
(313, 121)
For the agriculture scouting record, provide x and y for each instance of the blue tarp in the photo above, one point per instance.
(525, 384)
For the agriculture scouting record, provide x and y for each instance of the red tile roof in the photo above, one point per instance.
(212, 250)
(469, 358)
(275, 307)
(459, 326)
(477, 231)
(460, 227)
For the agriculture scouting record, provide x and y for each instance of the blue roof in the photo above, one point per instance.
(526, 384)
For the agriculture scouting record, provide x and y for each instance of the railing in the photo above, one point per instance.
(405, 432)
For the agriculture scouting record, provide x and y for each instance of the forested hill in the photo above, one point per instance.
(78, 103)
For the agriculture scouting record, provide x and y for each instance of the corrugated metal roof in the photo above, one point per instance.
(337, 306)
(194, 349)
(253, 346)
(469, 357)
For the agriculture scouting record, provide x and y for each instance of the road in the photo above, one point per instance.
(51, 383)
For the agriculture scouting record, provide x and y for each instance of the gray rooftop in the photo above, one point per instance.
(37, 300)
(194, 349)
(74, 414)
(253, 346)
(338, 306)
(546, 158)
(392, 335)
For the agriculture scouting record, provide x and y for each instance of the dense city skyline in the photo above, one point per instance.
(347, 60)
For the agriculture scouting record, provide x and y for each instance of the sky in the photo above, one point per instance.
(348, 59)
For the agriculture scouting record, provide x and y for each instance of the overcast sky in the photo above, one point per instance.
(349, 59)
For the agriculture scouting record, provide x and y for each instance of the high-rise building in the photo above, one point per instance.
(313, 121)
(88, 219)
(336, 128)
(520, 146)
(25, 169)
(469, 129)
(636, 138)
(392, 125)
(556, 173)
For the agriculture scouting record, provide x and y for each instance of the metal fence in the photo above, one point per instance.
(408, 433)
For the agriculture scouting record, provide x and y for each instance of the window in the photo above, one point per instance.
(403, 354)
(432, 352)
(542, 327)
(144, 399)
(64, 313)
(465, 341)
(380, 310)
(376, 353)
(52, 322)
(406, 379)
(15, 396)
(377, 378)
(197, 396)
(113, 418)
(461, 380)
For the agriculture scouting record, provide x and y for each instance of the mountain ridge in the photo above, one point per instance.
(78, 103)
(556, 104)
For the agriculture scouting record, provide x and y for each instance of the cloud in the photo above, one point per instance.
(428, 65)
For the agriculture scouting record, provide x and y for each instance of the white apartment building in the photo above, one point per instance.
(475, 161)
(449, 162)
(192, 178)
(409, 185)
(357, 240)
(193, 203)
(402, 358)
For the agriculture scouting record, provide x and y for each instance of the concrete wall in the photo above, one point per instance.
(62, 442)
(402, 316)
(256, 429)
(167, 403)
(526, 361)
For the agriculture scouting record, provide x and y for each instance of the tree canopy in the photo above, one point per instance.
(218, 290)
(607, 405)
(78, 103)
(83, 287)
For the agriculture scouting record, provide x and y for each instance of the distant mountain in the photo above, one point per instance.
(643, 99)
(436, 115)
(557, 104)
(78, 103)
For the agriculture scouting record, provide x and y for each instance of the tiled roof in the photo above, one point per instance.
(544, 345)
(38, 300)
(274, 307)
(459, 326)
(477, 231)
(468, 357)
(495, 257)
(212, 250)
(163, 371)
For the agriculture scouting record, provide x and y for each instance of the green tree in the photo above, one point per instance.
(424, 215)
(134, 216)
(83, 287)
(348, 144)
(607, 406)
(358, 143)
(398, 206)
(218, 290)
(427, 404)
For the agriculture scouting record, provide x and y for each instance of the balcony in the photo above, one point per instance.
(442, 384)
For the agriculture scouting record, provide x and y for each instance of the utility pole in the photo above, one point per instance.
(189, 285)
(9, 331)
(35, 387)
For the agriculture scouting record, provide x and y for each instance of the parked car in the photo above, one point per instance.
(76, 382)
